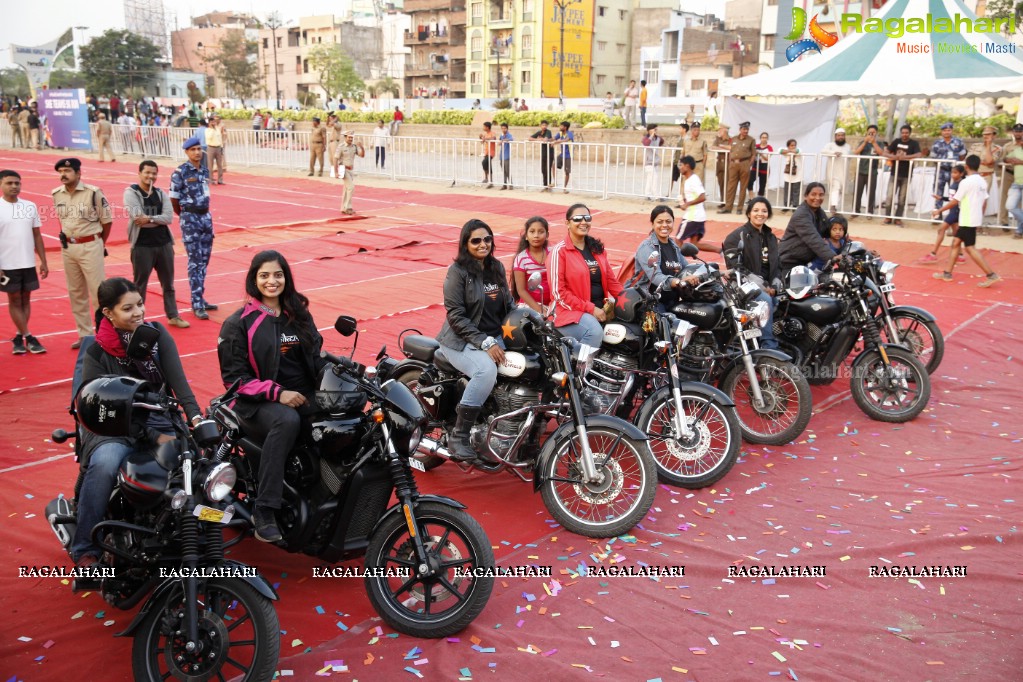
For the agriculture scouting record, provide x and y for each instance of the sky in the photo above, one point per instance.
(33, 22)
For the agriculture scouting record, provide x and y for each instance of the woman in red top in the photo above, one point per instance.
(581, 279)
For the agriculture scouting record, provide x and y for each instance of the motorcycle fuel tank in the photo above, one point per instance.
(703, 315)
(336, 437)
(520, 366)
(820, 310)
(623, 336)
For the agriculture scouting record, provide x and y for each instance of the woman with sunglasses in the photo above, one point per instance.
(477, 299)
(669, 263)
(581, 280)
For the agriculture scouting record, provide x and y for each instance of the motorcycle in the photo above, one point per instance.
(207, 617)
(423, 554)
(595, 472)
(693, 429)
(820, 324)
(771, 396)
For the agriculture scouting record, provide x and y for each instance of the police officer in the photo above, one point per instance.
(333, 138)
(317, 139)
(190, 197)
(85, 221)
(344, 159)
(103, 131)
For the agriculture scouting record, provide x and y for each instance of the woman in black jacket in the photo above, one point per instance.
(759, 256)
(271, 345)
(477, 299)
(120, 313)
(802, 241)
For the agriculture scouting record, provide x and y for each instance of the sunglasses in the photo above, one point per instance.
(581, 218)
(476, 241)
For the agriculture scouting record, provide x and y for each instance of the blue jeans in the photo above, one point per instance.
(479, 367)
(100, 477)
(587, 330)
(1014, 205)
(767, 340)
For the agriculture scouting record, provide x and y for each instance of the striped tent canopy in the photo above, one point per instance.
(862, 64)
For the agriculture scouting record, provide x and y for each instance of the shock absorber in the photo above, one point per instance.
(214, 542)
(224, 449)
(189, 538)
(404, 481)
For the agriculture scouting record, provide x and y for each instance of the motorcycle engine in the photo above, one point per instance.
(793, 329)
(506, 398)
(695, 356)
(607, 379)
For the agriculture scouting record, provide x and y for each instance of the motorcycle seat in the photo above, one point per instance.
(420, 348)
(441, 362)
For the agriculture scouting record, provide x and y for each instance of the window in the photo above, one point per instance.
(768, 43)
(474, 77)
(476, 45)
(305, 66)
(527, 44)
(280, 42)
(266, 43)
(477, 14)
(601, 78)
(280, 69)
(601, 45)
(619, 81)
(772, 3)
(601, 11)
(696, 84)
(622, 14)
(527, 10)
(621, 48)
(527, 78)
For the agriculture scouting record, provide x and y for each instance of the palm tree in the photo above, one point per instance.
(384, 86)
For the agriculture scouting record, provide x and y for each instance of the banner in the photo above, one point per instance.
(578, 49)
(37, 62)
(65, 118)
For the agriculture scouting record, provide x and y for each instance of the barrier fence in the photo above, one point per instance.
(604, 170)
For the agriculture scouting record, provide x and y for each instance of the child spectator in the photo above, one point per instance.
(531, 257)
(951, 222)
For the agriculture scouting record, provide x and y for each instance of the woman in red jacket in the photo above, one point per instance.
(581, 279)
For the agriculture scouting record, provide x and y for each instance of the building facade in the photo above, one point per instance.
(190, 46)
(436, 64)
(612, 45)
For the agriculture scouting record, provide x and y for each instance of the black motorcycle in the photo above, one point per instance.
(423, 554)
(820, 324)
(693, 429)
(206, 617)
(771, 396)
(595, 473)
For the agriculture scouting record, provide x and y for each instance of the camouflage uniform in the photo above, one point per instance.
(190, 186)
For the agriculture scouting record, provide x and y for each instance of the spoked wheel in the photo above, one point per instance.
(786, 407)
(923, 338)
(410, 378)
(450, 596)
(615, 504)
(699, 458)
(894, 393)
(239, 636)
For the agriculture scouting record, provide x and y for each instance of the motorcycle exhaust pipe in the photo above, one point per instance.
(429, 446)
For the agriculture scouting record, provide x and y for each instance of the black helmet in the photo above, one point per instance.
(513, 330)
(628, 306)
(104, 405)
(144, 475)
(338, 394)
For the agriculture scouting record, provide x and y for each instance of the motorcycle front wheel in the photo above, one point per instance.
(894, 393)
(238, 630)
(410, 378)
(608, 508)
(436, 605)
(700, 459)
(786, 407)
(923, 338)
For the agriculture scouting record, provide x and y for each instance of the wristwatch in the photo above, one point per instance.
(488, 343)
(196, 419)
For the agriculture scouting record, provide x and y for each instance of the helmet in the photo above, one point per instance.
(628, 306)
(339, 394)
(513, 331)
(104, 405)
(801, 281)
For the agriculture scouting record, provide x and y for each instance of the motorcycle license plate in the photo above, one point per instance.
(211, 515)
(751, 334)
(887, 288)
(416, 464)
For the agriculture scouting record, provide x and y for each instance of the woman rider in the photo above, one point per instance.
(669, 262)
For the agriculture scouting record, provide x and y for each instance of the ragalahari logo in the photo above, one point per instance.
(818, 36)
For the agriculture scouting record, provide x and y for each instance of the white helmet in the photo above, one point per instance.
(801, 282)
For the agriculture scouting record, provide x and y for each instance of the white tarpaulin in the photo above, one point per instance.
(871, 64)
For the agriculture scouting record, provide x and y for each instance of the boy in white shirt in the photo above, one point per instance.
(971, 198)
(20, 242)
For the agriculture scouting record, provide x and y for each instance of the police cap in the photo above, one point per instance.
(1018, 128)
(316, 119)
(193, 141)
(72, 163)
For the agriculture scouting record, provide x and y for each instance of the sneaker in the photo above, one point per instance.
(898, 223)
(210, 306)
(265, 526)
(19, 345)
(34, 346)
(943, 276)
(989, 280)
(929, 258)
(178, 322)
(886, 221)
(200, 314)
(1017, 235)
(960, 258)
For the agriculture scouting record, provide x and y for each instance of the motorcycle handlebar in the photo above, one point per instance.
(342, 363)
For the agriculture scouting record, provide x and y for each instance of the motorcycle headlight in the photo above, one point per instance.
(684, 332)
(584, 359)
(760, 312)
(220, 481)
(887, 270)
(404, 432)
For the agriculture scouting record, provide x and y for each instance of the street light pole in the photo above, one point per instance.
(273, 20)
(561, 5)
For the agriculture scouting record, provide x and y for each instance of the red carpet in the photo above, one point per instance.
(853, 493)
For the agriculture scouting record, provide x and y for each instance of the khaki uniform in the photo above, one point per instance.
(317, 139)
(721, 145)
(82, 214)
(345, 157)
(103, 131)
(16, 139)
(698, 150)
(333, 139)
(23, 127)
(738, 171)
(1005, 180)
(215, 138)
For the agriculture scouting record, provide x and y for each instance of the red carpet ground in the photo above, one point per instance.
(849, 495)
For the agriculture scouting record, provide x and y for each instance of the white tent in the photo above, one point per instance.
(871, 64)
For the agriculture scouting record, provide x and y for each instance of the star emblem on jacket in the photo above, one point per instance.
(507, 329)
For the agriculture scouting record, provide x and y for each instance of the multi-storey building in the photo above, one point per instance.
(190, 46)
(435, 66)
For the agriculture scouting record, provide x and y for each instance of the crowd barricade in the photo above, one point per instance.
(602, 170)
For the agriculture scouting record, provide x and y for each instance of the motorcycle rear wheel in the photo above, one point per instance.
(707, 456)
(923, 338)
(454, 540)
(617, 504)
(788, 402)
(236, 624)
(410, 378)
(896, 393)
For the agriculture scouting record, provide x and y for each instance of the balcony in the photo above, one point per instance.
(456, 52)
(499, 20)
(427, 69)
(504, 53)
(427, 38)
(456, 17)
(425, 5)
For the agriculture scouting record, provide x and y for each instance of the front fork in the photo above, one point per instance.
(405, 491)
(751, 371)
(589, 470)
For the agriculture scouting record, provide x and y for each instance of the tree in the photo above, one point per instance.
(118, 60)
(64, 78)
(233, 67)
(14, 83)
(1005, 9)
(384, 86)
(337, 72)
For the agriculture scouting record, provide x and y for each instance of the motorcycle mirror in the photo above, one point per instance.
(533, 282)
(689, 250)
(142, 341)
(382, 354)
(345, 325)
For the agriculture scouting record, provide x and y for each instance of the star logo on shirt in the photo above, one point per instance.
(507, 329)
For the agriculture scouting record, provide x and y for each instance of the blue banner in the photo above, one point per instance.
(65, 118)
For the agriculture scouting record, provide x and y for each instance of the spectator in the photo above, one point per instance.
(1012, 160)
(651, 160)
(115, 107)
(695, 147)
(692, 202)
(631, 97)
(722, 145)
(21, 242)
(487, 138)
(564, 139)
(531, 256)
(397, 121)
(951, 221)
(504, 155)
(792, 173)
(902, 151)
(642, 103)
(758, 172)
(216, 139)
(990, 154)
(739, 167)
(34, 137)
(545, 138)
(950, 149)
(381, 137)
(476, 105)
(676, 156)
(609, 105)
(971, 197)
(838, 170)
(837, 237)
(866, 170)
(152, 245)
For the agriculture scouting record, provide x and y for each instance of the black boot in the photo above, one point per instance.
(460, 446)
(265, 525)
